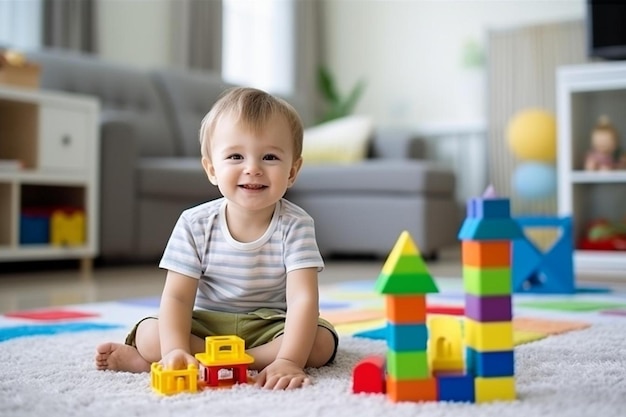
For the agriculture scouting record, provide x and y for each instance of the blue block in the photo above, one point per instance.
(488, 364)
(458, 388)
(493, 208)
(551, 271)
(407, 337)
(34, 229)
(490, 229)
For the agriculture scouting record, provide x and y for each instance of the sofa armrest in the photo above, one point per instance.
(118, 162)
(396, 144)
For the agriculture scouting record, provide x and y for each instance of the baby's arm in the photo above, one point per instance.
(175, 312)
(287, 371)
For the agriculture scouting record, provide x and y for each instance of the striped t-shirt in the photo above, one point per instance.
(236, 276)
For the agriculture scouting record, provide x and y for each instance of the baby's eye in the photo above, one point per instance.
(235, 156)
(270, 157)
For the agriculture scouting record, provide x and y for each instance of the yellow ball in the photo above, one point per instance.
(532, 135)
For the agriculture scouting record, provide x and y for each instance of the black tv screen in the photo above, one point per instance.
(606, 29)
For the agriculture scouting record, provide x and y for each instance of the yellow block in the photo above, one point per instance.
(223, 351)
(405, 246)
(67, 229)
(494, 389)
(490, 336)
(169, 382)
(445, 344)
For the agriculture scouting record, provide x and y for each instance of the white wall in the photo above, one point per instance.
(409, 52)
(136, 32)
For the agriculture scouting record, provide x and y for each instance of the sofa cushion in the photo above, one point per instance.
(343, 140)
(173, 178)
(125, 93)
(189, 95)
(376, 176)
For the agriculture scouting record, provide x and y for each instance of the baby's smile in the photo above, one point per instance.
(253, 186)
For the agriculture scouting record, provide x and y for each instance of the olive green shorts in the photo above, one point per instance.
(255, 328)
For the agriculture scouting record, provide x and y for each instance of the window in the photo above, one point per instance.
(258, 44)
(20, 24)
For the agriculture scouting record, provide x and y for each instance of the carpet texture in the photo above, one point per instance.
(580, 373)
(570, 360)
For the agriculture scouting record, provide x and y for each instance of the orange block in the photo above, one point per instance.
(415, 390)
(495, 253)
(406, 309)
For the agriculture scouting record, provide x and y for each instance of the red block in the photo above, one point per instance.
(369, 375)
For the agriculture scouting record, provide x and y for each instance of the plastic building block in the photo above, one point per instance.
(67, 228)
(488, 337)
(34, 226)
(494, 389)
(368, 375)
(406, 309)
(487, 281)
(488, 308)
(223, 364)
(407, 337)
(491, 208)
(416, 390)
(552, 271)
(488, 364)
(491, 254)
(224, 352)
(445, 351)
(425, 362)
(407, 365)
(168, 382)
(404, 271)
(459, 388)
(497, 229)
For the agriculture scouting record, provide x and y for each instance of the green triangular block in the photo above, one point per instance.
(407, 264)
(406, 283)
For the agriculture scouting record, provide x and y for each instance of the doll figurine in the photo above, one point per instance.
(605, 151)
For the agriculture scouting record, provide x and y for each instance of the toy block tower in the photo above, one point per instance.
(486, 236)
(405, 281)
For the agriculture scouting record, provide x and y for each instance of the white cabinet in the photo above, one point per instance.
(49, 165)
(584, 92)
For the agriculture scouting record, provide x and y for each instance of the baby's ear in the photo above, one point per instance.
(209, 169)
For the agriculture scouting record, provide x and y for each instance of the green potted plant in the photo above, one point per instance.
(337, 105)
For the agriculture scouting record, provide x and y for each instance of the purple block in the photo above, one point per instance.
(488, 308)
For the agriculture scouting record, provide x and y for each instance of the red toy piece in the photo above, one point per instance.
(369, 375)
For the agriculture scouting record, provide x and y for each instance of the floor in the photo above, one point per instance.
(33, 286)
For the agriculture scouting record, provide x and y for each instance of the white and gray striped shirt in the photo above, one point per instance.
(236, 276)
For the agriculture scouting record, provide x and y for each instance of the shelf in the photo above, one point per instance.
(598, 177)
(584, 93)
(591, 260)
(40, 252)
(49, 181)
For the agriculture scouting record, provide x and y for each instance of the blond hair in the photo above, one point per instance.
(253, 108)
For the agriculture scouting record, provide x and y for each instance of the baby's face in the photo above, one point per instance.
(604, 141)
(252, 169)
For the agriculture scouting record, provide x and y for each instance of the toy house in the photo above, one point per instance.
(223, 364)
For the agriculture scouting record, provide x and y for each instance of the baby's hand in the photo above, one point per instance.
(178, 359)
(282, 374)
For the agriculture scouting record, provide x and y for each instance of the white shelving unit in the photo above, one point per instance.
(584, 92)
(54, 138)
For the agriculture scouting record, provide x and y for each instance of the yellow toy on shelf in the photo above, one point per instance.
(223, 364)
(67, 228)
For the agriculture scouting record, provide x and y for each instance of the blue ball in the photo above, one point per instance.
(534, 180)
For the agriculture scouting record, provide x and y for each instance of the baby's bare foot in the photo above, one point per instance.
(119, 357)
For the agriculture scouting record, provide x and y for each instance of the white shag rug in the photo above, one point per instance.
(580, 373)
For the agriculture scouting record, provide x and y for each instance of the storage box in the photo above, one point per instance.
(20, 76)
(34, 226)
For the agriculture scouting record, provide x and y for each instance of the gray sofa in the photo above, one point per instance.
(151, 171)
